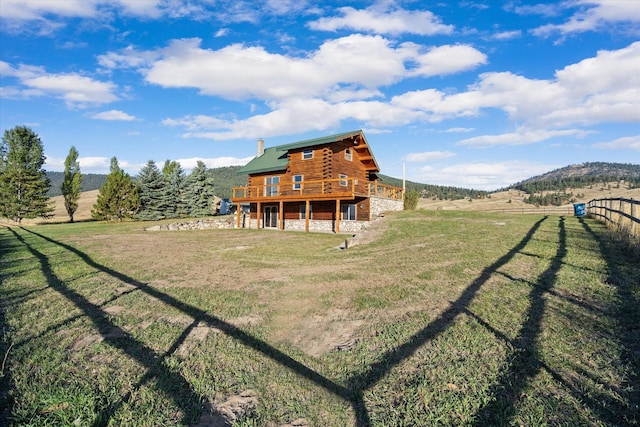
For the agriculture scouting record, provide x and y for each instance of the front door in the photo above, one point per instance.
(270, 217)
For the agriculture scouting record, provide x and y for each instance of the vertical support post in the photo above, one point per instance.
(258, 215)
(337, 215)
(281, 216)
(633, 214)
(306, 216)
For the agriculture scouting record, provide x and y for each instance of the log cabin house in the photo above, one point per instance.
(322, 184)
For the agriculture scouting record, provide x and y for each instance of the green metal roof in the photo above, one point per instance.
(276, 159)
(273, 159)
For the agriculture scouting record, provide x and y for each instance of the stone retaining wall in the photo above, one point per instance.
(227, 221)
(381, 205)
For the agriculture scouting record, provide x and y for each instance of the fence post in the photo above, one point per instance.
(633, 214)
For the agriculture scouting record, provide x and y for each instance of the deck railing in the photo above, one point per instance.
(325, 188)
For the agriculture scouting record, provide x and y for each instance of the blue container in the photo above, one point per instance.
(579, 209)
(225, 205)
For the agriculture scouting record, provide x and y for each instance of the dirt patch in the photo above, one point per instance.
(226, 413)
(200, 332)
(89, 339)
(321, 332)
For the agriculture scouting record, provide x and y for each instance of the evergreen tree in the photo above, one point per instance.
(23, 182)
(200, 191)
(152, 193)
(118, 197)
(175, 184)
(71, 183)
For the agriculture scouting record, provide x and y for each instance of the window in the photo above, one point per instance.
(348, 154)
(271, 186)
(348, 212)
(303, 210)
(343, 180)
(307, 154)
(297, 182)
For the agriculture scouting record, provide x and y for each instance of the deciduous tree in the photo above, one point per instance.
(71, 184)
(23, 182)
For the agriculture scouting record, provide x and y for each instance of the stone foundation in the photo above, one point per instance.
(380, 205)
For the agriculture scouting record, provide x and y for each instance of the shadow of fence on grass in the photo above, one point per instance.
(623, 273)
(356, 385)
(525, 362)
(140, 352)
(5, 376)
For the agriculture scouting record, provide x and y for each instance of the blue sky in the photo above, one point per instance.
(475, 94)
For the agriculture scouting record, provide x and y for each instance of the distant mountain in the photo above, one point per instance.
(90, 181)
(557, 187)
(225, 178)
(580, 176)
(592, 169)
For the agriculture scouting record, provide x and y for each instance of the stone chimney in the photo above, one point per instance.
(260, 147)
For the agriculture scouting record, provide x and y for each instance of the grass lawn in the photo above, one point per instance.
(447, 318)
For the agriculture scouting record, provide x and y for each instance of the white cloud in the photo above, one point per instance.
(520, 137)
(624, 143)
(37, 10)
(328, 86)
(95, 163)
(221, 32)
(448, 59)
(459, 130)
(215, 162)
(482, 176)
(334, 70)
(384, 18)
(428, 156)
(507, 35)
(113, 115)
(594, 15)
(76, 90)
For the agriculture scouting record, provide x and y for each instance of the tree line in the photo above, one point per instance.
(562, 184)
(154, 194)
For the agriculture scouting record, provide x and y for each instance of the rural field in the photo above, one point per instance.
(437, 317)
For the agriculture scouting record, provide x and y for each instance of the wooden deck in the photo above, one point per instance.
(326, 189)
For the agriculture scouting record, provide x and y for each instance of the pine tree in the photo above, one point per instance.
(152, 193)
(200, 191)
(118, 197)
(175, 184)
(71, 183)
(23, 182)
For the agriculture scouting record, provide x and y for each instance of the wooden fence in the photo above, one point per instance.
(619, 212)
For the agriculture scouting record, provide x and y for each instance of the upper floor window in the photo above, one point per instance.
(348, 154)
(297, 182)
(343, 180)
(271, 184)
(307, 154)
